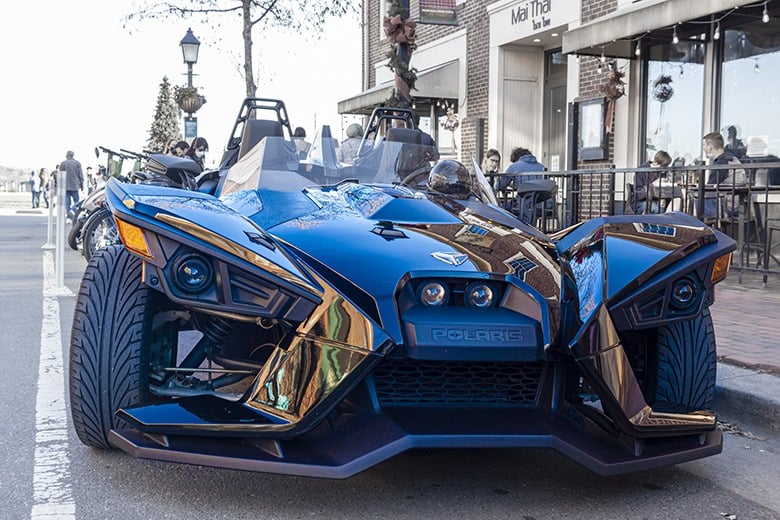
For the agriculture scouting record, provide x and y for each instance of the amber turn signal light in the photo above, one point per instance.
(133, 238)
(721, 268)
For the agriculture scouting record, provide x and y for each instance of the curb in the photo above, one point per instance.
(747, 396)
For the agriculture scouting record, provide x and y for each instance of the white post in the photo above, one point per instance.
(62, 214)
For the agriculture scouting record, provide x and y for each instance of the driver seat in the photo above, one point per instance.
(255, 130)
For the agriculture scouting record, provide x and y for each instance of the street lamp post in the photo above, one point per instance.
(189, 50)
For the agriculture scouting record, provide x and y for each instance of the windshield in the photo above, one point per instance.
(276, 163)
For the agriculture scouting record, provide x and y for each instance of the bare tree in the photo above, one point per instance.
(295, 15)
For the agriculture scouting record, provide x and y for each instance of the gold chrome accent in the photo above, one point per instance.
(129, 203)
(133, 238)
(721, 268)
(235, 249)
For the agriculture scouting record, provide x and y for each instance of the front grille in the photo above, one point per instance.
(410, 381)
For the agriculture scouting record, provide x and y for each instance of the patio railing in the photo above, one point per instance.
(745, 205)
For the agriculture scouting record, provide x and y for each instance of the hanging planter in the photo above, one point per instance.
(188, 99)
(614, 88)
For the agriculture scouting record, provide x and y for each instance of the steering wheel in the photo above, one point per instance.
(417, 177)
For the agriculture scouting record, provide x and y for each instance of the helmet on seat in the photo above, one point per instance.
(450, 178)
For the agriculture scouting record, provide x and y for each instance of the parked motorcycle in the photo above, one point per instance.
(99, 229)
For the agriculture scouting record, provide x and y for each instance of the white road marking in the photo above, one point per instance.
(52, 495)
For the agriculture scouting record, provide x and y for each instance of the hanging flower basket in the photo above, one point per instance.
(188, 99)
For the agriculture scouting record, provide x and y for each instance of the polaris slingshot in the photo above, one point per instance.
(310, 317)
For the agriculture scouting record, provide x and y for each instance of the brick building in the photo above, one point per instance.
(530, 73)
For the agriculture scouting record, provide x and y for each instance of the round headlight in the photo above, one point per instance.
(193, 274)
(683, 293)
(433, 294)
(480, 294)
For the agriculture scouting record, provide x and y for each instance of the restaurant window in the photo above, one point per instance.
(750, 99)
(675, 100)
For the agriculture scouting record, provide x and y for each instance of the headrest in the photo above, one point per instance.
(255, 130)
(404, 135)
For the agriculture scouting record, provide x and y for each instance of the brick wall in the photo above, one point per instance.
(596, 189)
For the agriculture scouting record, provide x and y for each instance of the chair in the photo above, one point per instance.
(254, 132)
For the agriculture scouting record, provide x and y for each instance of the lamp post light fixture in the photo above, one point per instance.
(190, 104)
(189, 50)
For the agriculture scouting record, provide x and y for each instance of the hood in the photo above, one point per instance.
(374, 237)
(528, 159)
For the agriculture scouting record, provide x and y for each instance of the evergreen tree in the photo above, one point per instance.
(165, 125)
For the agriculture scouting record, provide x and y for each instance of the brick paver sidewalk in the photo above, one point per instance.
(746, 319)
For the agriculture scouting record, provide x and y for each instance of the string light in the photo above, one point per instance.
(716, 34)
(638, 48)
(765, 16)
(756, 68)
(675, 39)
(577, 57)
(602, 59)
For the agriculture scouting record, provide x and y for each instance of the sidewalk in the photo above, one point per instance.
(746, 318)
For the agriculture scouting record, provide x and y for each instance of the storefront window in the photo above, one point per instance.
(750, 98)
(675, 100)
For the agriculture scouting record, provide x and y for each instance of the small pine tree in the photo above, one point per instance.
(165, 125)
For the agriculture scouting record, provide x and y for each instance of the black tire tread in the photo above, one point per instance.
(108, 366)
(687, 365)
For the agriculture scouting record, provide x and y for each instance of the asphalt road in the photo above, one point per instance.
(50, 473)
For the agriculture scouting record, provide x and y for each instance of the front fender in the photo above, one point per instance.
(254, 275)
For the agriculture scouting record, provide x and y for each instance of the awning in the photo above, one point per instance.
(439, 82)
(614, 35)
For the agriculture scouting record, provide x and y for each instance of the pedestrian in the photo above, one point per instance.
(43, 179)
(74, 182)
(301, 144)
(35, 189)
(350, 147)
(197, 151)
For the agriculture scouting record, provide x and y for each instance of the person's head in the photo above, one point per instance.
(69, 154)
(354, 130)
(492, 160)
(299, 132)
(171, 148)
(518, 152)
(198, 148)
(89, 169)
(712, 144)
(661, 158)
(732, 132)
(179, 148)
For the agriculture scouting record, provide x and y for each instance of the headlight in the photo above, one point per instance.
(433, 294)
(480, 294)
(192, 273)
(684, 293)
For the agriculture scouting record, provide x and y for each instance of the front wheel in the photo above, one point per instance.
(74, 235)
(109, 366)
(687, 363)
(99, 232)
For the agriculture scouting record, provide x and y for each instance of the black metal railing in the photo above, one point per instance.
(745, 204)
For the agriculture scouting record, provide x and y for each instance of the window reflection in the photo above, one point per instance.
(749, 94)
(675, 99)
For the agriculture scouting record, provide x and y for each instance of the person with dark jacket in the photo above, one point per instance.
(74, 181)
(642, 181)
(523, 161)
(197, 151)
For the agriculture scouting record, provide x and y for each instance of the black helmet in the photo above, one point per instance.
(451, 178)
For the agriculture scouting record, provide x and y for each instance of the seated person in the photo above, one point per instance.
(642, 181)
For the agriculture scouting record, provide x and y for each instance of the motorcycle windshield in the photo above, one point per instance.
(277, 164)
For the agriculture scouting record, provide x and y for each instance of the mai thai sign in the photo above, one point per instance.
(438, 12)
(535, 11)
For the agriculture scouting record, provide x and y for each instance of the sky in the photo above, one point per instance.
(72, 78)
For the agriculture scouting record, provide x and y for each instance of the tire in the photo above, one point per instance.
(687, 363)
(109, 368)
(75, 233)
(99, 232)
